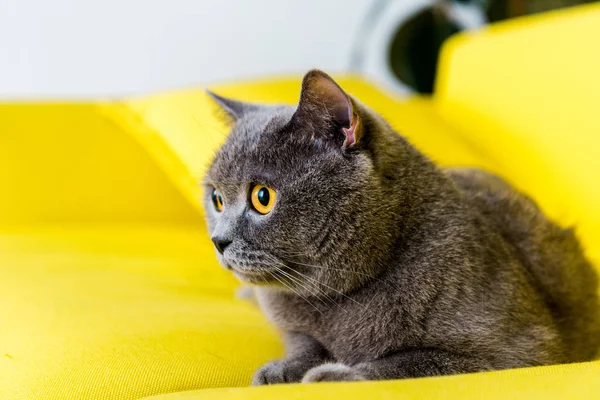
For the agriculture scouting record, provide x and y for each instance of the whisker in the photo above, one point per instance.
(289, 287)
(298, 281)
(302, 284)
(342, 270)
(301, 253)
(310, 280)
(330, 268)
(335, 290)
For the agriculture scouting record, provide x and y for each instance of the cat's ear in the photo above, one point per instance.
(321, 97)
(235, 109)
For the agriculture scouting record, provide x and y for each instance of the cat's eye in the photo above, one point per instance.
(217, 199)
(263, 199)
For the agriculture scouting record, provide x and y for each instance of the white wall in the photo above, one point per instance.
(111, 47)
(80, 48)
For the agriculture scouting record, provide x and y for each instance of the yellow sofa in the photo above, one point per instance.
(109, 288)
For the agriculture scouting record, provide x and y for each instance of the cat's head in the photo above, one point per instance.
(299, 196)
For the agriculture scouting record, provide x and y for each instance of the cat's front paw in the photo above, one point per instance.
(279, 371)
(332, 373)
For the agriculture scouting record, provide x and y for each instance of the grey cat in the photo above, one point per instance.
(377, 264)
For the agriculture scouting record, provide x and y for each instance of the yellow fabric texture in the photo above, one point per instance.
(526, 94)
(109, 286)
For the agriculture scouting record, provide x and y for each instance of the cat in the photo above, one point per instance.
(375, 263)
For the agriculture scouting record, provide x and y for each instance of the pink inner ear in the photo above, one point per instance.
(350, 132)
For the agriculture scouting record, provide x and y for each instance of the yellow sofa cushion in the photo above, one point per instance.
(526, 94)
(121, 312)
(575, 382)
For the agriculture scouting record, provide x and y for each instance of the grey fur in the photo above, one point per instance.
(375, 258)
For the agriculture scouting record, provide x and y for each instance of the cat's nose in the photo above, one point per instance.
(221, 244)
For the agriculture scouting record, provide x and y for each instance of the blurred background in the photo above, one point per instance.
(84, 48)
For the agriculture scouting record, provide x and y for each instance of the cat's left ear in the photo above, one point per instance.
(235, 109)
(321, 97)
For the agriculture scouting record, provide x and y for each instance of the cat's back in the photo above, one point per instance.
(551, 255)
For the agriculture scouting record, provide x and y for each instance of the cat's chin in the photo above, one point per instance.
(254, 277)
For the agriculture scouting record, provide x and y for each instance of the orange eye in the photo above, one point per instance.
(263, 199)
(217, 199)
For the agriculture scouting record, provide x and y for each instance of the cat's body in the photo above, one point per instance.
(396, 268)
(447, 273)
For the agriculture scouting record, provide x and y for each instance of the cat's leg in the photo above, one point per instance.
(407, 364)
(302, 353)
